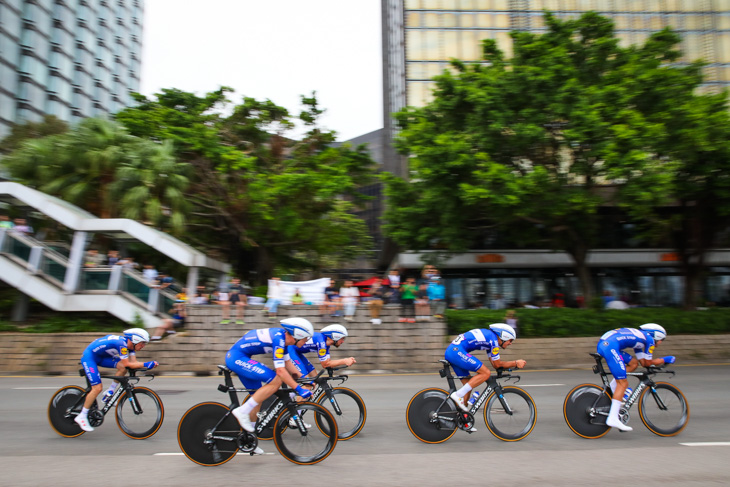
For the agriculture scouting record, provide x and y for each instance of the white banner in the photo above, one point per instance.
(312, 291)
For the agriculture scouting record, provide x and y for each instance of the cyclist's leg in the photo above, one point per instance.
(463, 363)
(616, 364)
(252, 374)
(91, 369)
(631, 365)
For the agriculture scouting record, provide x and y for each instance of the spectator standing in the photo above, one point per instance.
(350, 296)
(22, 227)
(510, 318)
(274, 296)
(408, 293)
(112, 257)
(375, 304)
(5, 222)
(222, 300)
(238, 299)
(437, 298)
(330, 302)
(150, 274)
(423, 311)
(93, 258)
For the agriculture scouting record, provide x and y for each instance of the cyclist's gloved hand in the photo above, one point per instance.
(670, 359)
(151, 365)
(305, 393)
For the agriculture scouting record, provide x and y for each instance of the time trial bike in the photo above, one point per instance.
(346, 405)
(662, 406)
(139, 410)
(209, 434)
(510, 413)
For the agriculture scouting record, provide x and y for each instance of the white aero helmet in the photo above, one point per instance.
(503, 331)
(137, 335)
(656, 331)
(299, 328)
(335, 332)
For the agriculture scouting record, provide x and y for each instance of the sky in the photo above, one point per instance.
(271, 49)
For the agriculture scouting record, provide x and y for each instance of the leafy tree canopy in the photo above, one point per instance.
(527, 145)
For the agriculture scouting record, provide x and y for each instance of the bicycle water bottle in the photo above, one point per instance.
(628, 393)
(107, 395)
(473, 398)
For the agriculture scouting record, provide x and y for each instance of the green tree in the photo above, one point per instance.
(260, 199)
(50, 125)
(527, 146)
(100, 167)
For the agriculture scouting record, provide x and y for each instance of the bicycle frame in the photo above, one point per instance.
(645, 381)
(492, 385)
(323, 387)
(272, 412)
(126, 384)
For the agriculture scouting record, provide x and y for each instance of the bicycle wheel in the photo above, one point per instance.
(516, 424)
(352, 415)
(664, 409)
(309, 448)
(59, 409)
(422, 408)
(144, 422)
(194, 434)
(577, 410)
(268, 432)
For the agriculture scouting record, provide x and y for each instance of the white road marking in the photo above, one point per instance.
(708, 443)
(539, 385)
(30, 388)
(180, 454)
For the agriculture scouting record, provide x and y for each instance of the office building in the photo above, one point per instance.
(419, 39)
(69, 58)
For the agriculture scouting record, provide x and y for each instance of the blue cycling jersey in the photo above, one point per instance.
(479, 339)
(261, 341)
(110, 346)
(623, 338)
(318, 343)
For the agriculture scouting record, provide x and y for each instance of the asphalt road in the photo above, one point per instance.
(385, 453)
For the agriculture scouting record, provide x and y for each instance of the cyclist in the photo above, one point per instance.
(291, 331)
(610, 347)
(112, 351)
(320, 343)
(497, 336)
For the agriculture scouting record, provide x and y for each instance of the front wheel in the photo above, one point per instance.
(664, 409)
(64, 406)
(431, 416)
(513, 417)
(140, 414)
(348, 409)
(205, 437)
(314, 444)
(583, 408)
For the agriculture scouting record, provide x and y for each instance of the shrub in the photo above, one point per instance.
(563, 322)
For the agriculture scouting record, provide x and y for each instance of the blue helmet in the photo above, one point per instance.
(656, 331)
(503, 331)
(299, 328)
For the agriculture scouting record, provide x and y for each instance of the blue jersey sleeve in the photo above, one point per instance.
(280, 352)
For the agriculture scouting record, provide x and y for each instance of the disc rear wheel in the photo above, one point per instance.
(196, 431)
(64, 406)
(431, 416)
(582, 408)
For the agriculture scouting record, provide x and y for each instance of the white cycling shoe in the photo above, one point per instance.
(616, 423)
(258, 451)
(244, 420)
(293, 424)
(459, 401)
(83, 422)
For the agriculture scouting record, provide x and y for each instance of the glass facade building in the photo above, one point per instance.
(69, 58)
